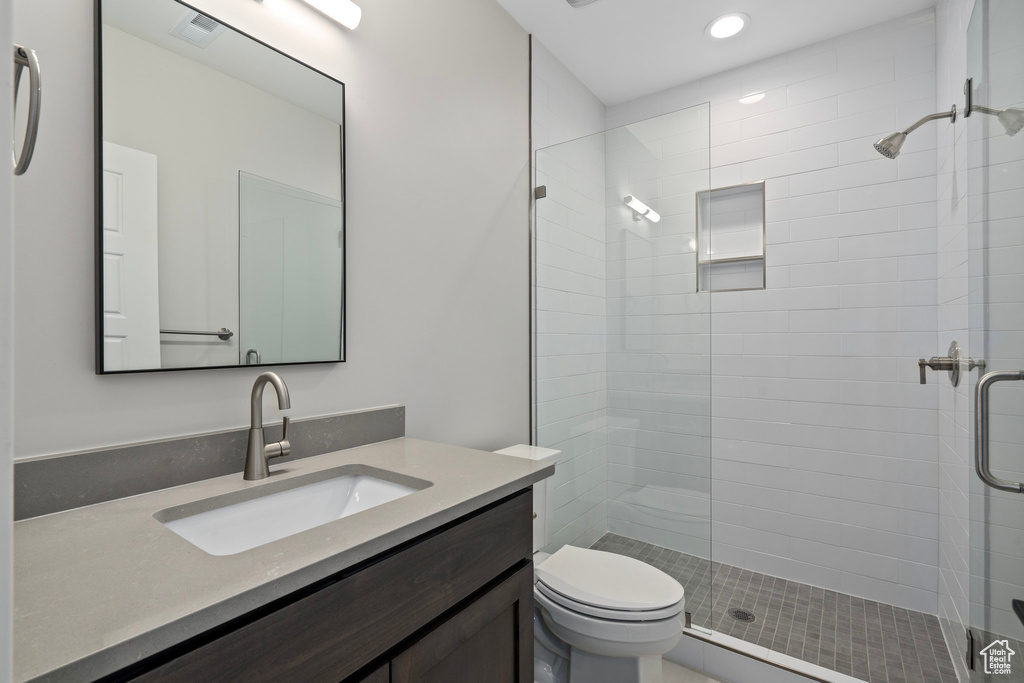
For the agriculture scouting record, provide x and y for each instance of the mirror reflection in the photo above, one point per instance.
(222, 197)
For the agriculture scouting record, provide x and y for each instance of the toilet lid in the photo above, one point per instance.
(608, 580)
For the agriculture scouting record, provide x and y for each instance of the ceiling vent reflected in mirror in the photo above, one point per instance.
(198, 29)
(577, 4)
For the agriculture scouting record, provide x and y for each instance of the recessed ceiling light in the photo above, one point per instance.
(752, 98)
(727, 25)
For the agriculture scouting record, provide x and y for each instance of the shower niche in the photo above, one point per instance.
(730, 238)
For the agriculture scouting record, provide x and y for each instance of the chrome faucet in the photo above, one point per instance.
(258, 452)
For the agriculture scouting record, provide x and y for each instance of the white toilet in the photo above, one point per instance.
(603, 617)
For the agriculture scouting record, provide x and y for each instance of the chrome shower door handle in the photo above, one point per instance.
(981, 464)
(24, 57)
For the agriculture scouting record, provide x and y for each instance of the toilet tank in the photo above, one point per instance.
(543, 491)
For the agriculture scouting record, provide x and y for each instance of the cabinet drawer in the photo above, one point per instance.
(330, 634)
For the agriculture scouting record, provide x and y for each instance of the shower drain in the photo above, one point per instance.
(741, 615)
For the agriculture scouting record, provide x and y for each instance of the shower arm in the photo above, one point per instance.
(951, 114)
(986, 110)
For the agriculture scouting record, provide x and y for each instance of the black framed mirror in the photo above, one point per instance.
(220, 219)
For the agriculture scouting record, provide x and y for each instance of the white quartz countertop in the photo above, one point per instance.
(100, 587)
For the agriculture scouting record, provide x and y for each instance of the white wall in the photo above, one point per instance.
(824, 443)
(438, 182)
(562, 107)
(955, 456)
(190, 119)
(6, 369)
(570, 317)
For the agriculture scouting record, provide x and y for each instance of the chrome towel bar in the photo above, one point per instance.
(23, 57)
(224, 333)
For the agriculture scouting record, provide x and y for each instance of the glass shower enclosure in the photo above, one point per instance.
(624, 270)
(995, 161)
(623, 345)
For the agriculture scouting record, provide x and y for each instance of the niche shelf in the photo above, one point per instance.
(730, 238)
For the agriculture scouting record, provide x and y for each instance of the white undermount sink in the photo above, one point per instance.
(245, 519)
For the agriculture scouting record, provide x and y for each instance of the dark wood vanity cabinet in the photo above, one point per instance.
(453, 605)
(489, 640)
(381, 675)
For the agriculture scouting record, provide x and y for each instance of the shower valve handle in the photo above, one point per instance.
(935, 363)
(949, 363)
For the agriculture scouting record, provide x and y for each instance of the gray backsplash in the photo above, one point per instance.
(57, 483)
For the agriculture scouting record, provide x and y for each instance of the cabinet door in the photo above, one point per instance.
(490, 640)
(381, 675)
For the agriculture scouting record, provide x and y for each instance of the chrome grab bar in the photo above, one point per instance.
(981, 464)
(224, 333)
(249, 354)
(23, 57)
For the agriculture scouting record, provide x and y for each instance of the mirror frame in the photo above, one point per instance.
(98, 193)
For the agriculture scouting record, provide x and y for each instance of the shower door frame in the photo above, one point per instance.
(996, 517)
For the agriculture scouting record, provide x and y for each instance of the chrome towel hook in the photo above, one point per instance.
(24, 57)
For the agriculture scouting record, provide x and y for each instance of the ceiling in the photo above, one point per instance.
(232, 53)
(624, 49)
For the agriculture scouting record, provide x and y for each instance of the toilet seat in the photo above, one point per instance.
(607, 637)
(584, 580)
(610, 614)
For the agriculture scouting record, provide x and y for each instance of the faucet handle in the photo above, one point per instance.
(282, 448)
(283, 444)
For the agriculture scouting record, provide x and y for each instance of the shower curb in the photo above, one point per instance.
(757, 653)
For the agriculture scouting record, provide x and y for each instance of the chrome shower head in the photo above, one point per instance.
(1012, 120)
(889, 146)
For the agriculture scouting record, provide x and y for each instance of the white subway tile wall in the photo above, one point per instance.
(570, 321)
(824, 443)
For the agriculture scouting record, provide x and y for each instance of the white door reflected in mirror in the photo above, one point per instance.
(131, 297)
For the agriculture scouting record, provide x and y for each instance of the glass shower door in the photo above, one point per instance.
(622, 345)
(290, 273)
(995, 162)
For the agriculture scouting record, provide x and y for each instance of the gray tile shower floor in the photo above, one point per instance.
(869, 640)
